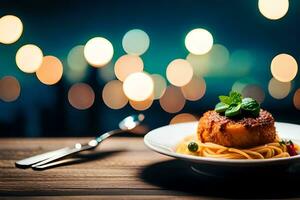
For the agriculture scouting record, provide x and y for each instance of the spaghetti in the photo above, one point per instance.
(212, 150)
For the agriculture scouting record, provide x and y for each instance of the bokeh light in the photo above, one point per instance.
(199, 41)
(9, 89)
(136, 42)
(183, 117)
(141, 105)
(255, 92)
(74, 76)
(113, 95)
(240, 84)
(195, 89)
(76, 67)
(212, 63)
(219, 55)
(11, 29)
(81, 96)
(138, 86)
(284, 67)
(273, 9)
(160, 85)
(98, 51)
(296, 99)
(128, 64)
(29, 58)
(173, 100)
(279, 90)
(179, 72)
(200, 63)
(76, 60)
(107, 72)
(51, 70)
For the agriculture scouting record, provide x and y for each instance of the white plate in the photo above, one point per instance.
(164, 140)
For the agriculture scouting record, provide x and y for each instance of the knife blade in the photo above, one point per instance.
(27, 162)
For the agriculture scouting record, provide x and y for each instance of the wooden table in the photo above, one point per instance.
(121, 168)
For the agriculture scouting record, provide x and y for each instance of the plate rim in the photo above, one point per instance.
(198, 159)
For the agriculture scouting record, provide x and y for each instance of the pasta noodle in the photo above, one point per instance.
(212, 150)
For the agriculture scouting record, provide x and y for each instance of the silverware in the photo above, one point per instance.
(41, 161)
(27, 162)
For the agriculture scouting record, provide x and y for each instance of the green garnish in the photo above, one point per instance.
(235, 105)
(286, 142)
(233, 98)
(193, 146)
(221, 107)
(233, 110)
(250, 106)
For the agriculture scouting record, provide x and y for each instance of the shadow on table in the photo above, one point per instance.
(177, 175)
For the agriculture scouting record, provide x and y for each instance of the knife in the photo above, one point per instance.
(27, 162)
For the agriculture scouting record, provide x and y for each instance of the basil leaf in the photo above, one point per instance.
(221, 107)
(235, 97)
(225, 99)
(251, 106)
(233, 110)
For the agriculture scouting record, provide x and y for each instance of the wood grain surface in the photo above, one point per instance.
(121, 168)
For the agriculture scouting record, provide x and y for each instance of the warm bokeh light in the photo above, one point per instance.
(279, 90)
(284, 67)
(296, 99)
(255, 92)
(9, 89)
(183, 117)
(199, 41)
(81, 96)
(128, 64)
(113, 95)
(195, 89)
(29, 58)
(138, 86)
(51, 70)
(11, 29)
(173, 100)
(141, 105)
(98, 51)
(273, 9)
(179, 72)
(160, 85)
(135, 42)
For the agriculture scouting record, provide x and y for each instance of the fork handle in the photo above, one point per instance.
(27, 162)
(67, 152)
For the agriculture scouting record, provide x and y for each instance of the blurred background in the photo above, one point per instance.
(76, 68)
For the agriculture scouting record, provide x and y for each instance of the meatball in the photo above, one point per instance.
(239, 133)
